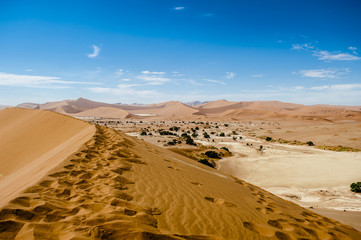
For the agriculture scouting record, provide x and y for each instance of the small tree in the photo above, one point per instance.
(356, 187)
(212, 154)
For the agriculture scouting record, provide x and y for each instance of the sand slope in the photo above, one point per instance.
(31, 142)
(118, 187)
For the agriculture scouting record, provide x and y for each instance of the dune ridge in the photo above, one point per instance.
(32, 142)
(119, 187)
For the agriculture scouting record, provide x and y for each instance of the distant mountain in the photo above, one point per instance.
(195, 103)
(220, 109)
(4, 106)
(28, 105)
(131, 104)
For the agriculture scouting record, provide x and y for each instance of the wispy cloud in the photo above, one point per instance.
(96, 52)
(8, 79)
(195, 83)
(323, 73)
(126, 90)
(353, 49)
(208, 15)
(230, 75)
(153, 78)
(302, 46)
(327, 55)
(257, 75)
(179, 8)
(215, 81)
(351, 86)
(155, 73)
(119, 72)
(338, 56)
(28, 70)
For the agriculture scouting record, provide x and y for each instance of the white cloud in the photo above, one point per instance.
(208, 15)
(154, 80)
(327, 56)
(215, 81)
(155, 73)
(257, 75)
(119, 72)
(179, 8)
(126, 80)
(28, 70)
(353, 49)
(302, 46)
(230, 75)
(338, 87)
(96, 51)
(126, 90)
(319, 73)
(8, 79)
(191, 81)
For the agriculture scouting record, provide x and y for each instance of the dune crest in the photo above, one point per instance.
(32, 142)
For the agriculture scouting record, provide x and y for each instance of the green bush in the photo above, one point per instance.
(206, 135)
(212, 154)
(206, 162)
(309, 143)
(194, 135)
(174, 128)
(356, 187)
(188, 139)
(143, 133)
(222, 134)
(225, 148)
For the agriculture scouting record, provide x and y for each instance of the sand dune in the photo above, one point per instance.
(221, 109)
(107, 112)
(167, 109)
(28, 105)
(215, 104)
(119, 187)
(32, 142)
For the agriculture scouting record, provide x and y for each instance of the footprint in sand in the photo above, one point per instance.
(220, 201)
(196, 183)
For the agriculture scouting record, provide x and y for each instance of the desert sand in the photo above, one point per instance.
(310, 177)
(33, 142)
(119, 187)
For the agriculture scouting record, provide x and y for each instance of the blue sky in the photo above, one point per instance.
(141, 51)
